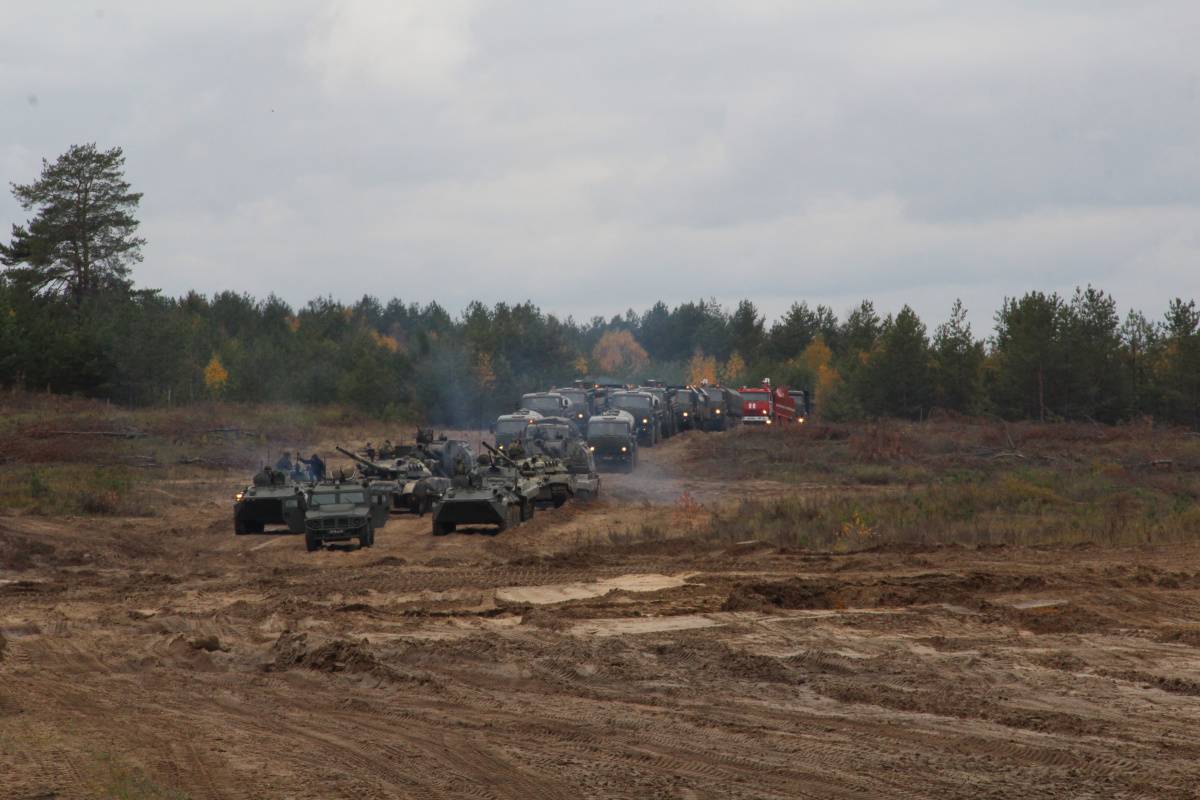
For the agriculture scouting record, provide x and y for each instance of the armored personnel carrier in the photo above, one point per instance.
(494, 493)
(273, 498)
(343, 510)
(612, 439)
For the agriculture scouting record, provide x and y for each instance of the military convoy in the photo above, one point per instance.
(547, 453)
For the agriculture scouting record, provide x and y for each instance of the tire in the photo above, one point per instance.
(367, 538)
(560, 499)
(527, 509)
(442, 528)
(311, 543)
(239, 527)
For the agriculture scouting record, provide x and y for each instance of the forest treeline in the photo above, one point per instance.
(72, 322)
(1049, 357)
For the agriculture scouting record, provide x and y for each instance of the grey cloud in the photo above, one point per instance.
(593, 157)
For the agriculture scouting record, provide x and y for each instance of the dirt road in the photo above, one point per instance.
(597, 652)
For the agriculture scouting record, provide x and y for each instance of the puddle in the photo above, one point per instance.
(635, 625)
(562, 592)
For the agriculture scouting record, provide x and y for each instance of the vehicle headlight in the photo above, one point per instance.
(645, 421)
(592, 448)
(685, 413)
(718, 411)
(239, 496)
(768, 422)
(623, 448)
(800, 420)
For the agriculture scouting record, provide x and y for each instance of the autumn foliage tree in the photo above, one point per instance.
(618, 353)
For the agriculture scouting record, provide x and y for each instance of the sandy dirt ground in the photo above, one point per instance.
(570, 658)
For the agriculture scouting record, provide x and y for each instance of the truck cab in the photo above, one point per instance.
(548, 404)
(646, 410)
(510, 427)
(767, 405)
(612, 439)
(581, 404)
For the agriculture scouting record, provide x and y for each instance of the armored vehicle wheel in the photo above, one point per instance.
(560, 498)
(311, 542)
(367, 537)
(244, 526)
(527, 509)
(442, 528)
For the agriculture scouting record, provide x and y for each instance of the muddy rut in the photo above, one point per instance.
(170, 656)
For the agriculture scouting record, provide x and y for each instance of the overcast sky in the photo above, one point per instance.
(596, 156)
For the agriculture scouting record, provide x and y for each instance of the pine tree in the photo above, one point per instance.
(81, 239)
(957, 364)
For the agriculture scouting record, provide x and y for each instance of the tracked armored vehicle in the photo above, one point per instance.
(411, 484)
(561, 440)
(273, 498)
(343, 510)
(494, 493)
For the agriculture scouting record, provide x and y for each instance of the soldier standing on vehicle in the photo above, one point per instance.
(284, 464)
(316, 467)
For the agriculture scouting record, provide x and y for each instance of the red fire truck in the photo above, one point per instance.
(767, 405)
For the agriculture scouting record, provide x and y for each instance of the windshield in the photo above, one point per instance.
(511, 426)
(337, 498)
(630, 401)
(542, 405)
(550, 433)
(607, 427)
(753, 397)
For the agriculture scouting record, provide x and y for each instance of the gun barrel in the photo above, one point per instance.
(496, 452)
(359, 459)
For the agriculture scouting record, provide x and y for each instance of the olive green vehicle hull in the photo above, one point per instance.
(264, 506)
(471, 507)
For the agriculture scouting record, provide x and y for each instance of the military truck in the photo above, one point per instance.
(494, 493)
(342, 510)
(666, 411)
(412, 485)
(721, 408)
(646, 410)
(612, 439)
(273, 498)
(686, 408)
(548, 404)
(582, 404)
(510, 427)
